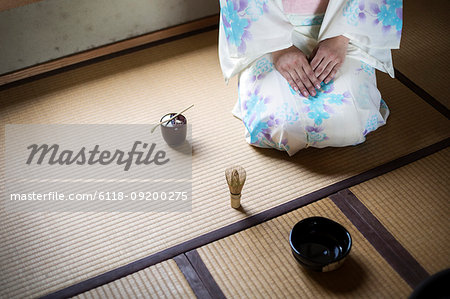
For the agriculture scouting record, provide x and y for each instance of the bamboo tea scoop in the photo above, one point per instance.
(235, 176)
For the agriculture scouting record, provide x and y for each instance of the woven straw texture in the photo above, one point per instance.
(258, 263)
(423, 55)
(412, 202)
(41, 253)
(163, 280)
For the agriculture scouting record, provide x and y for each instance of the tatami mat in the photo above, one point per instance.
(258, 263)
(412, 202)
(163, 280)
(44, 253)
(423, 55)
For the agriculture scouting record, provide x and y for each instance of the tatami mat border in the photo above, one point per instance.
(225, 231)
(380, 238)
(204, 274)
(422, 94)
(198, 276)
(192, 276)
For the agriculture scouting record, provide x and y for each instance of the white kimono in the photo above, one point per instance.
(344, 110)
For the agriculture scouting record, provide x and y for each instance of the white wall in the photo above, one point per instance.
(50, 29)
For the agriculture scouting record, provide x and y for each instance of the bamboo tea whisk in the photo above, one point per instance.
(235, 176)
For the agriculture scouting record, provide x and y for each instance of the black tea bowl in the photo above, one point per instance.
(320, 244)
(174, 131)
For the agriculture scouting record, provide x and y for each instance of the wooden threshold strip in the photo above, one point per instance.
(381, 239)
(9, 4)
(109, 49)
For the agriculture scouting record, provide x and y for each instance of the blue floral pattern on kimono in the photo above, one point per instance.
(261, 68)
(320, 105)
(389, 14)
(312, 21)
(259, 126)
(319, 108)
(366, 68)
(237, 17)
(315, 135)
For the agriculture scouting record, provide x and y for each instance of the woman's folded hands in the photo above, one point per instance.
(305, 74)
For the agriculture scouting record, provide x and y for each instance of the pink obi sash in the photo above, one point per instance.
(305, 7)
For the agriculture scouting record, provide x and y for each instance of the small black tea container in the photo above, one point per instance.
(174, 131)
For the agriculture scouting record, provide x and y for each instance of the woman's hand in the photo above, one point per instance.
(328, 56)
(293, 65)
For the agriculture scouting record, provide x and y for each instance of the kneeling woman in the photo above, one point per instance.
(307, 68)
